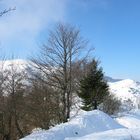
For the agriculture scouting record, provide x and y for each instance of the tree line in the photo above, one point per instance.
(41, 95)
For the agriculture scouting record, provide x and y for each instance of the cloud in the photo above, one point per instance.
(29, 18)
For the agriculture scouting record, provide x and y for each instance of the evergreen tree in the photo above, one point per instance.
(93, 87)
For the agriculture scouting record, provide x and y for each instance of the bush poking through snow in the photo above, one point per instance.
(111, 105)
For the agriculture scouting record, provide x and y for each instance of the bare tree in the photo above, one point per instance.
(14, 90)
(63, 47)
(43, 107)
(2, 105)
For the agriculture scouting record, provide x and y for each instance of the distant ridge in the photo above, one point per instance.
(112, 80)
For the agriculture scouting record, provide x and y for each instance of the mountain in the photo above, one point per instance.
(110, 79)
(128, 91)
(18, 64)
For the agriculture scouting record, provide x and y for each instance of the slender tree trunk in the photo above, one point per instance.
(69, 92)
(64, 107)
(8, 136)
(18, 127)
(95, 104)
(65, 84)
(68, 106)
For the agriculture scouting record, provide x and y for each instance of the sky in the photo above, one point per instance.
(111, 26)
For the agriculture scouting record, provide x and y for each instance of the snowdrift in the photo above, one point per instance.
(130, 119)
(117, 134)
(89, 122)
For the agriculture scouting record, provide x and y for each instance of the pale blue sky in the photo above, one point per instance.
(111, 26)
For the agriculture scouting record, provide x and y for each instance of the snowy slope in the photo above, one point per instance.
(89, 122)
(18, 63)
(130, 119)
(128, 91)
(117, 134)
(125, 89)
(94, 125)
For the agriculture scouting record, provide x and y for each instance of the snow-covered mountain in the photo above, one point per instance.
(128, 91)
(18, 64)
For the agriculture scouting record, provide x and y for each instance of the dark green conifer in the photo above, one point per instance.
(93, 87)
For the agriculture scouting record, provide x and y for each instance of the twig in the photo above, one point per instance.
(6, 11)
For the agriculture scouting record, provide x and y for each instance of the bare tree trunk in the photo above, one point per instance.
(8, 136)
(18, 127)
(95, 104)
(69, 94)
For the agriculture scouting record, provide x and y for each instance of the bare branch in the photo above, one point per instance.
(6, 11)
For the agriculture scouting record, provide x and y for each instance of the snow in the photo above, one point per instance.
(130, 119)
(18, 63)
(117, 134)
(89, 122)
(128, 91)
(94, 125)
(124, 89)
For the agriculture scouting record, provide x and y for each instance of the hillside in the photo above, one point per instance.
(87, 123)
(20, 64)
(128, 91)
(95, 124)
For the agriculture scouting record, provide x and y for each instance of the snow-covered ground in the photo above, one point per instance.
(130, 119)
(117, 134)
(94, 125)
(87, 123)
